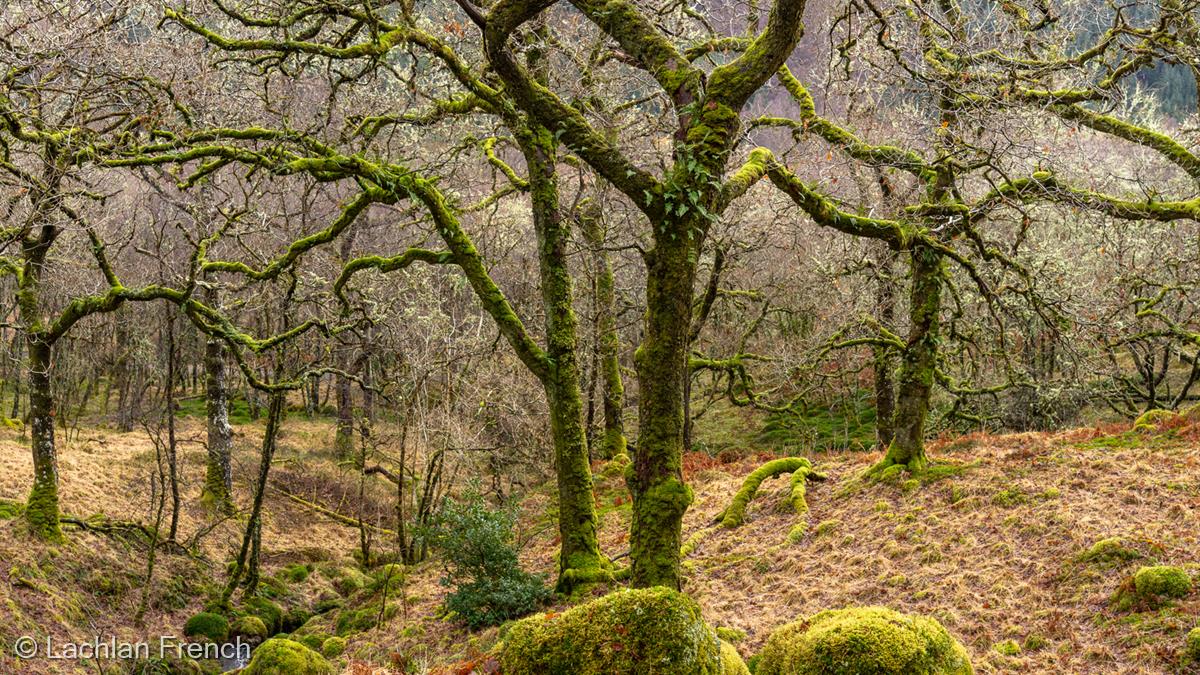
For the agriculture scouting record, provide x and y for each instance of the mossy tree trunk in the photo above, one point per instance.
(41, 511)
(218, 475)
(918, 361)
(579, 549)
(884, 358)
(608, 341)
(660, 496)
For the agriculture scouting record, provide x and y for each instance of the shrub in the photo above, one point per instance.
(863, 641)
(631, 632)
(476, 539)
(278, 656)
(209, 625)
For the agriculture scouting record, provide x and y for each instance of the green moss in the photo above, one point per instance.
(826, 527)
(346, 580)
(1162, 580)
(250, 627)
(352, 621)
(1151, 586)
(270, 613)
(1034, 642)
(731, 635)
(1007, 647)
(731, 661)
(285, 657)
(208, 625)
(863, 641)
(10, 509)
(314, 641)
(1191, 647)
(1009, 497)
(799, 467)
(1109, 550)
(1152, 419)
(333, 647)
(649, 630)
(296, 573)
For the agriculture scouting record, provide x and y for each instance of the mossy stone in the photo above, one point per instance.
(731, 661)
(1162, 581)
(208, 625)
(1109, 550)
(1191, 647)
(1151, 419)
(270, 613)
(333, 647)
(863, 641)
(250, 627)
(285, 657)
(632, 632)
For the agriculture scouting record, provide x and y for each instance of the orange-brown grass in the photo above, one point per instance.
(991, 552)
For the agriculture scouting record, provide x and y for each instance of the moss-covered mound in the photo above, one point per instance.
(1110, 550)
(731, 661)
(1191, 647)
(207, 625)
(333, 647)
(863, 641)
(1162, 581)
(630, 632)
(249, 628)
(278, 656)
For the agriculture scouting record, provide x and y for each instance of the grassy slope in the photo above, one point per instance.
(990, 552)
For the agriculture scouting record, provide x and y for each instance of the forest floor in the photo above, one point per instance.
(993, 551)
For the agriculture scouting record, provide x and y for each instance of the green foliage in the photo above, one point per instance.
(209, 625)
(847, 424)
(278, 656)
(863, 641)
(477, 541)
(633, 632)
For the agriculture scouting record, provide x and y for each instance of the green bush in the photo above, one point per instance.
(209, 625)
(476, 539)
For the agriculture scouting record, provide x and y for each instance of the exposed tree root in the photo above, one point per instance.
(573, 579)
(801, 470)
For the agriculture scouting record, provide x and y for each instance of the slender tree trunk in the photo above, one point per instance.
(247, 561)
(41, 511)
(884, 361)
(218, 476)
(919, 360)
(579, 558)
(660, 496)
(343, 440)
(608, 342)
(169, 403)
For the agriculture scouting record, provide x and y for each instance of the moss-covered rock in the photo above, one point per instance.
(350, 621)
(731, 661)
(346, 580)
(313, 641)
(1151, 419)
(629, 632)
(1109, 550)
(284, 657)
(333, 647)
(296, 573)
(270, 613)
(251, 628)
(208, 625)
(1162, 581)
(1191, 646)
(863, 641)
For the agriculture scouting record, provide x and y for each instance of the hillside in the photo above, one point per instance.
(995, 550)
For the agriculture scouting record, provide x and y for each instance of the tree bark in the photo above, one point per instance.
(218, 478)
(884, 361)
(608, 341)
(660, 496)
(580, 555)
(41, 511)
(918, 363)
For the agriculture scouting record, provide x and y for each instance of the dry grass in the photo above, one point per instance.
(991, 552)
